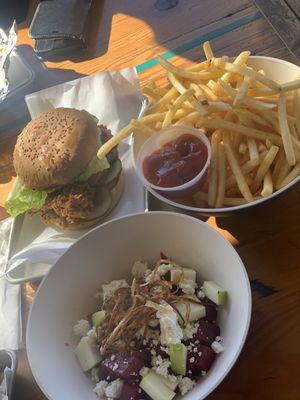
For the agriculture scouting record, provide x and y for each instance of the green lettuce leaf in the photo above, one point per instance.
(95, 165)
(22, 199)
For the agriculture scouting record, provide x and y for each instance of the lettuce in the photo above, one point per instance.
(22, 199)
(95, 165)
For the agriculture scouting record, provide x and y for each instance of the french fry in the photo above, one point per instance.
(285, 131)
(199, 94)
(208, 51)
(114, 141)
(253, 151)
(291, 176)
(151, 92)
(176, 105)
(286, 87)
(267, 185)
(194, 76)
(242, 92)
(283, 173)
(199, 66)
(181, 89)
(246, 71)
(190, 119)
(138, 126)
(242, 148)
(240, 60)
(232, 161)
(243, 130)
(213, 170)
(254, 117)
(166, 99)
(297, 110)
(279, 160)
(246, 168)
(221, 176)
(264, 167)
(209, 93)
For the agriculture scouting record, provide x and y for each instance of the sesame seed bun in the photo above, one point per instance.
(54, 148)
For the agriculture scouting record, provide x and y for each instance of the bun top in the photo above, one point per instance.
(54, 148)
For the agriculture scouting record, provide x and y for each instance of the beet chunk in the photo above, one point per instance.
(123, 366)
(206, 332)
(200, 360)
(131, 391)
(211, 312)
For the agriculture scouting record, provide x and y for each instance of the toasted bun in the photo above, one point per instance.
(54, 148)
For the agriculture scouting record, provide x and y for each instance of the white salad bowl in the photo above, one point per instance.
(108, 252)
(280, 71)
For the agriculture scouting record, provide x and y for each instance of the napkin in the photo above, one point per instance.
(10, 298)
(114, 98)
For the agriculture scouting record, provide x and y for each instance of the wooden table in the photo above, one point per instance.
(132, 33)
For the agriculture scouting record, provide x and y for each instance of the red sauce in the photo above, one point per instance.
(177, 162)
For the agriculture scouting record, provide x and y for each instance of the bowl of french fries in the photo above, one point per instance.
(249, 109)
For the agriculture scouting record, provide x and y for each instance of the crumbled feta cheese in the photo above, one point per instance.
(144, 371)
(218, 339)
(113, 389)
(148, 274)
(153, 323)
(217, 347)
(203, 373)
(189, 330)
(171, 332)
(110, 288)
(185, 385)
(188, 286)
(138, 270)
(192, 359)
(113, 357)
(92, 333)
(161, 366)
(163, 269)
(200, 294)
(153, 352)
(82, 327)
(95, 375)
(99, 389)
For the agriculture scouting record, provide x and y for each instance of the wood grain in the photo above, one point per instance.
(284, 21)
(267, 239)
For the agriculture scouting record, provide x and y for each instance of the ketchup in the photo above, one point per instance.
(177, 162)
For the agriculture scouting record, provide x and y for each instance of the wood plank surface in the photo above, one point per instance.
(133, 33)
(285, 21)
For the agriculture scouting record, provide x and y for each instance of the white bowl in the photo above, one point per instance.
(108, 252)
(280, 71)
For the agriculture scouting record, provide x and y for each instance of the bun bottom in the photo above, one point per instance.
(116, 193)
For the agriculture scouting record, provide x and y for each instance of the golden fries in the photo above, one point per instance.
(252, 123)
(285, 131)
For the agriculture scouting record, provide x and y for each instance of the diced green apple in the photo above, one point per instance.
(171, 385)
(188, 273)
(214, 292)
(153, 385)
(97, 318)
(178, 354)
(196, 312)
(87, 353)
